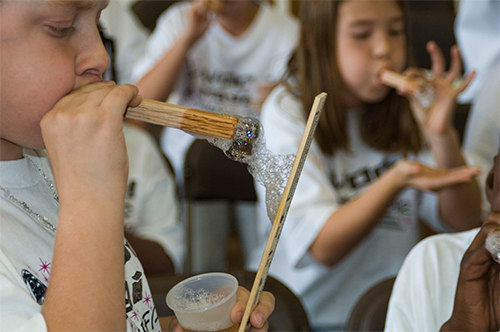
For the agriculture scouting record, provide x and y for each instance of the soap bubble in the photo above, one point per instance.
(249, 146)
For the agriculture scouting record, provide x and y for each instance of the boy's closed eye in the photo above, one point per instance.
(60, 32)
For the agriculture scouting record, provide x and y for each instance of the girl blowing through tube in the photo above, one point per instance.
(380, 162)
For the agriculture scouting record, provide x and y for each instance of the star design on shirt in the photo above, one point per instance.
(148, 300)
(45, 266)
(134, 315)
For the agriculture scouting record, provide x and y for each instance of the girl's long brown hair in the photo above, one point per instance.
(386, 126)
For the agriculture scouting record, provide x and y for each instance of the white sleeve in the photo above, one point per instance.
(128, 34)
(314, 199)
(477, 27)
(170, 26)
(158, 213)
(482, 133)
(18, 311)
(424, 290)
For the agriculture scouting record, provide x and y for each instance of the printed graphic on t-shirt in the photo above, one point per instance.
(139, 303)
(225, 92)
(35, 285)
(349, 184)
(400, 215)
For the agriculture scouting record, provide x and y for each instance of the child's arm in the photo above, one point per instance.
(83, 135)
(351, 223)
(160, 81)
(459, 206)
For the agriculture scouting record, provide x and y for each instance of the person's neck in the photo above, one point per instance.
(237, 23)
(10, 151)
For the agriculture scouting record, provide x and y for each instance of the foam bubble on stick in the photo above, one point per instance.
(492, 244)
(248, 146)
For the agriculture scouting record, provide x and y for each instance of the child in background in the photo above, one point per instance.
(216, 55)
(51, 62)
(365, 184)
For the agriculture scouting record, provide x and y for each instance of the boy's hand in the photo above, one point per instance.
(477, 298)
(258, 318)
(83, 135)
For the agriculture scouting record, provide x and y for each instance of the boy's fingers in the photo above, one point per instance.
(264, 309)
(491, 223)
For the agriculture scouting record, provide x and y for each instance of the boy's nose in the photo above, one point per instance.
(93, 57)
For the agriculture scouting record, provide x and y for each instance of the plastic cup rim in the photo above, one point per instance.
(198, 276)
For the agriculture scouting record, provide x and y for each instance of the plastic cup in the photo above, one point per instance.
(204, 302)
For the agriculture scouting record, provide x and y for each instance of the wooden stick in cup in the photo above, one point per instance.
(188, 119)
(398, 81)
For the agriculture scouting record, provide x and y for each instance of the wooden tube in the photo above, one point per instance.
(188, 119)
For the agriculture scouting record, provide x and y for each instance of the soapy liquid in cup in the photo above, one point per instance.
(249, 146)
(204, 302)
(189, 299)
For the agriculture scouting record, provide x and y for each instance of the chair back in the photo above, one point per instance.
(210, 175)
(219, 197)
(368, 314)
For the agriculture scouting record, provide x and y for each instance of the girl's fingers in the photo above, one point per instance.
(465, 82)
(437, 59)
(455, 70)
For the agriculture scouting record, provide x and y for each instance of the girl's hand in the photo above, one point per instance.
(438, 118)
(198, 21)
(477, 298)
(258, 318)
(426, 178)
(83, 135)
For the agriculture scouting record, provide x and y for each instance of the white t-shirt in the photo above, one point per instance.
(325, 183)
(128, 34)
(424, 291)
(26, 253)
(223, 72)
(482, 133)
(151, 203)
(477, 30)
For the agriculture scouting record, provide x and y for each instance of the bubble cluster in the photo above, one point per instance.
(249, 146)
(492, 244)
(425, 95)
(189, 299)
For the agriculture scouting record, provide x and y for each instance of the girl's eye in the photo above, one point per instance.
(396, 32)
(361, 35)
(60, 32)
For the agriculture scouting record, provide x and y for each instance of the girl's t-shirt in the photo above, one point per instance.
(26, 248)
(324, 185)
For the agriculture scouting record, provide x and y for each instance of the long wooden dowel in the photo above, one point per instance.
(188, 119)
(279, 220)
